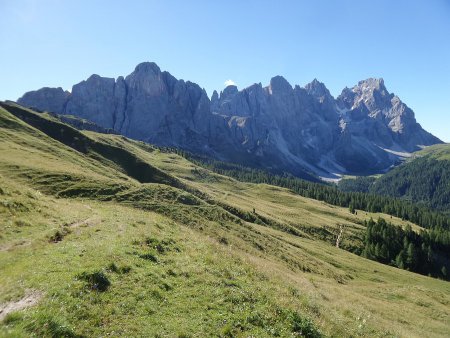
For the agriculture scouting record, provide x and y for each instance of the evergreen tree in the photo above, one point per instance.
(352, 208)
(400, 260)
(411, 256)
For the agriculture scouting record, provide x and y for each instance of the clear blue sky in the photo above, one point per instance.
(59, 43)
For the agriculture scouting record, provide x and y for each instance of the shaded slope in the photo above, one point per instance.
(125, 161)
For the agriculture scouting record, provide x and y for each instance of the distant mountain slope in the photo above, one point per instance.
(424, 180)
(301, 130)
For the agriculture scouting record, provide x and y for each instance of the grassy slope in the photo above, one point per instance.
(214, 273)
(438, 151)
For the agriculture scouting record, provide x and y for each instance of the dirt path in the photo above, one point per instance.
(88, 222)
(30, 299)
(8, 247)
(339, 238)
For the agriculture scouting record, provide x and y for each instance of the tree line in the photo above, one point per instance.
(425, 252)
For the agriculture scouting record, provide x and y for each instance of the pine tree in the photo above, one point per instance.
(411, 256)
(399, 260)
(351, 208)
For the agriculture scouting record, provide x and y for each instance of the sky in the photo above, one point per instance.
(58, 43)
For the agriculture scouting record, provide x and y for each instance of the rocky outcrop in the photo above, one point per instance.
(95, 100)
(163, 110)
(48, 99)
(280, 127)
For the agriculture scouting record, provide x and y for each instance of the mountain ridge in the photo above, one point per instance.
(279, 127)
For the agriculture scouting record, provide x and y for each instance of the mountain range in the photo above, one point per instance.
(301, 130)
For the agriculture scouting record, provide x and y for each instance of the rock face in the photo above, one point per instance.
(375, 125)
(48, 99)
(279, 127)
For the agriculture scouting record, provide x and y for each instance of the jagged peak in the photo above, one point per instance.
(315, 83)
(279, 84)
(215, 96)
(372, 84)
(317, 88)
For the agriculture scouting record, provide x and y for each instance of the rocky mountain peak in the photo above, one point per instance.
(317, 89)
(346, 99)
(371, 87)
(369, 95)
(372, 83)
(147, 78)
(279, 84)
(228, 92)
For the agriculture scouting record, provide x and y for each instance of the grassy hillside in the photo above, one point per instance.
(101, 235)
(438, 151)
(424, 180)
(354, 198)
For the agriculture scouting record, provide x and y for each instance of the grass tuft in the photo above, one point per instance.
(59, 235)
(149, 257)
(46, 326)
(119, 269)
(96, 281)
(303, 326)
